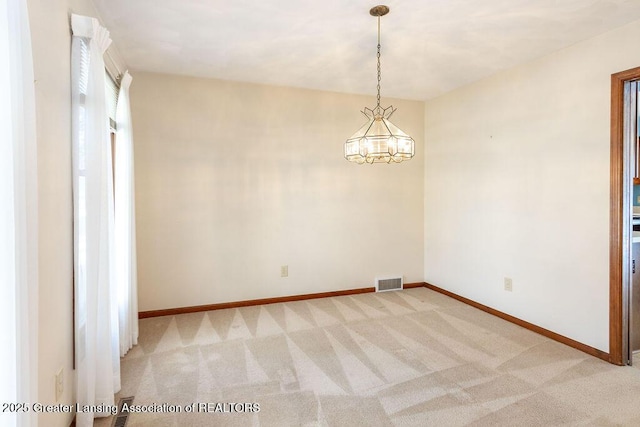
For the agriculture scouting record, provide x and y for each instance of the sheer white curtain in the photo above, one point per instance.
(97, 348)
(18, 215)
(125, 226)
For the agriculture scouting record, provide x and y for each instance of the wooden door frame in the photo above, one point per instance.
(616, 258)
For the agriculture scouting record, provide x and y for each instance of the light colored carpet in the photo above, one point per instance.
(406, 358)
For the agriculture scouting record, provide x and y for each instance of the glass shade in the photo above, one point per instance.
(379, 140)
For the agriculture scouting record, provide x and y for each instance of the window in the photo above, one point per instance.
(111, 93)
(96, 314)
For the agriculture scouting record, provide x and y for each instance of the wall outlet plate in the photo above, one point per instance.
(508, 284)
(284, 271)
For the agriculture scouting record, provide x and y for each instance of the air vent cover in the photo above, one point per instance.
(121, 418)
(384, 284)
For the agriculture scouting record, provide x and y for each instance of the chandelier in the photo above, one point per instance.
(379, 140)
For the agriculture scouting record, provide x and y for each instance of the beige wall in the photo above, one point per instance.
(234, 180)
(51, 40)
(517, 185)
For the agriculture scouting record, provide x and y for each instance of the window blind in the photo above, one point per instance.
(112, 99)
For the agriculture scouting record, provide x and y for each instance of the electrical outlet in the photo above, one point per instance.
(284, 271)
(508, 284)
(59, 384)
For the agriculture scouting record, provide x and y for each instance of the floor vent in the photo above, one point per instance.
(120, 420)
(388, 284)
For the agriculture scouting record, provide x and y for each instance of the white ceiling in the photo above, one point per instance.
(429, 47)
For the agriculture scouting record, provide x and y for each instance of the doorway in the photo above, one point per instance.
(624, 136)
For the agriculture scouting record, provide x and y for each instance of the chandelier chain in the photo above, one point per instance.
(379, 76)
(379, 69)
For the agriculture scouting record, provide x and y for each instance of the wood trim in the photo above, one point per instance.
(246, 303)
(413, 285)
(616, 212)
(615, 222)
(530, 326)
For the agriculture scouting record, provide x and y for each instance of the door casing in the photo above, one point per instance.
(619, 289)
